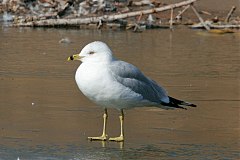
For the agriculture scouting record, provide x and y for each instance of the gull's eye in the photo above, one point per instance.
(91, 52)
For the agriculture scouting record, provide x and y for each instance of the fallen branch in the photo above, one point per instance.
(205, 12)
(181, 12)
(223, 26)
(200, 18)
(230, 14)
(105, 18)
(215, 26)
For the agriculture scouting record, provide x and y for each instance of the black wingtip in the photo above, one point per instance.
(175, 102)
(173, 106)
(193, 105)
(188, 104)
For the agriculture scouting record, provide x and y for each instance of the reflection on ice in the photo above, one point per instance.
(56, 128)
(146, 151)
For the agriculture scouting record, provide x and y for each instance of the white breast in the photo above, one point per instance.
(97, 83)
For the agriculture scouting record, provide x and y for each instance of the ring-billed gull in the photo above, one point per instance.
(112, 83)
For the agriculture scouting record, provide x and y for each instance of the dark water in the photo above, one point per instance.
(43, 115)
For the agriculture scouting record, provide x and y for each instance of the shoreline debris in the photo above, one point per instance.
(7, 17)
(97, 19)
(128, 14)
(216, 26)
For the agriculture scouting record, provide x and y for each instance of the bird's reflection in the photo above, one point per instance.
(106, 143)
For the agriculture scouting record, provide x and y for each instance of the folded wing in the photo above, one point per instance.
(131, 77)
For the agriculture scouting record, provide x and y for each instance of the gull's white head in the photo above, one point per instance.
(94, 52)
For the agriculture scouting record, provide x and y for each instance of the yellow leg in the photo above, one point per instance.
(103, 137)
(121, 137)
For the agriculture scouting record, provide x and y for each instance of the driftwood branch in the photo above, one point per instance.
(181, 12)
(200, 18)
(216, 26)
(106, 18)
(230, 14)
(224, 26)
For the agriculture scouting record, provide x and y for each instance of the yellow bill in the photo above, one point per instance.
(74, 57)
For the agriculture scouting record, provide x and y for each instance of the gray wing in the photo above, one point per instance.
(131, 77)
